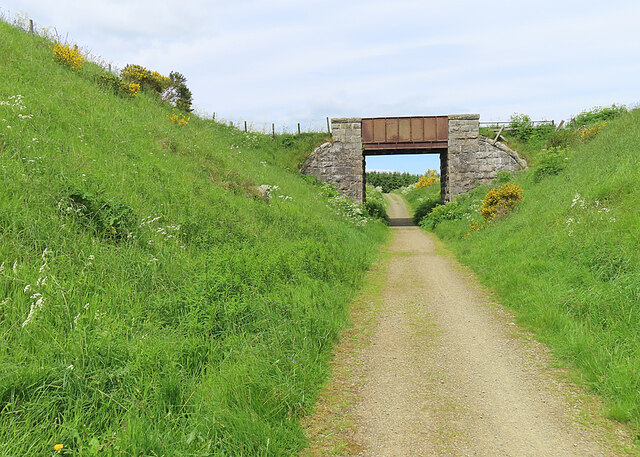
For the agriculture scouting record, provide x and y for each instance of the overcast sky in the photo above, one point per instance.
(288, 61)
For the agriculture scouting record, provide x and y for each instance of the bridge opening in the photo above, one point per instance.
(393, 171)
(405, 137)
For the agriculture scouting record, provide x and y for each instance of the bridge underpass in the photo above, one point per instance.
(467, 159)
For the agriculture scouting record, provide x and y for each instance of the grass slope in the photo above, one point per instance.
(171, 312)
(568, 260)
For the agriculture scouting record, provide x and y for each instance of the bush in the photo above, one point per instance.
(376, 209)
(429, 179)
(562, 138)
(118, 85)
(68, 56)
(146, 78)
(521, 126)
(551, 162)
(499, 201)
(448, 212)
(177, 93)
(599, 114)
(423, 209)
(590, 132)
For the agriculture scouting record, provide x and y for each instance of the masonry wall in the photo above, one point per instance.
(470, 160)
(341, 162)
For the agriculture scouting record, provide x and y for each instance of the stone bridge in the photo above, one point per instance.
(467, 159)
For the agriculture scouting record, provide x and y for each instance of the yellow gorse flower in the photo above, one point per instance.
(429, 179)
(500, 200)
(68, 56)
(58, 447)
(592, 131)
(133, 89)
(179, 118)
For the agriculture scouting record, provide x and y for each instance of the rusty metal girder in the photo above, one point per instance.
(419, 133)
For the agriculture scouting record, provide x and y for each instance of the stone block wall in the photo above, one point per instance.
(341, 162)
(461, 162)
(470, 159)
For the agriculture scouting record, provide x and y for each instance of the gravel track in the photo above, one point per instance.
(447, 373)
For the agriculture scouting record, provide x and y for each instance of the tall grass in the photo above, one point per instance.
(151, 301)
(567, 259)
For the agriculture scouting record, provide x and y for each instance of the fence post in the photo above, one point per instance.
(31, 25)
(214, 116)
(328, 126)
(273, 130)
(298, 128)
(245, 126)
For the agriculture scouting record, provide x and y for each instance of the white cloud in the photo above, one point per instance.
(287, 62)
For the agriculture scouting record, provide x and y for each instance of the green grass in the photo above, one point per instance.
(567, 260)
(180, 313)
(422, 200)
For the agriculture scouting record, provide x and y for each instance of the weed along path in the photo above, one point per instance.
(435, 369)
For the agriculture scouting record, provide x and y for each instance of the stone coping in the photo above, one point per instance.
(345, 120)
(464, 117)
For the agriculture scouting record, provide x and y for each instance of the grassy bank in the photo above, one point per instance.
(567, 258)
(152, 302)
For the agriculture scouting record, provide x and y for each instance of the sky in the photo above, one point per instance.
(285, 61)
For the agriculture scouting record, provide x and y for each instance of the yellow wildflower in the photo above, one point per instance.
(58, 447)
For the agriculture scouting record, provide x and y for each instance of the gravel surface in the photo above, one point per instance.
(447, 372)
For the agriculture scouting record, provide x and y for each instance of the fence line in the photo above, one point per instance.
(271, 128)
(507, 123)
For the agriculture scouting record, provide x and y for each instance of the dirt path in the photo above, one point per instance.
(447, 373)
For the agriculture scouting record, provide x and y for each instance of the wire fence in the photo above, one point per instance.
(22, 21)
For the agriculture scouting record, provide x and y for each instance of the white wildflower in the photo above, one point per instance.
(26, 288)
(70, 367)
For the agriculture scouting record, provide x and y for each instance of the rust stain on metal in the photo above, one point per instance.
(405, 133)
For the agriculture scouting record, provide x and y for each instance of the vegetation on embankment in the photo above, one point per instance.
(567, 258)
(421, 200)
(151, 301)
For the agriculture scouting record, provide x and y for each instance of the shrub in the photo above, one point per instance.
(423, 209)
(448, 212)
(118, 85)
(177, 93)
(68, 56)
(376, 209)
(521, 126)
(499, 201)
(179, 119)
(590, 132)
(145, 78)
(599, 114)
(551, 162)
(562, 138)
(429, 179)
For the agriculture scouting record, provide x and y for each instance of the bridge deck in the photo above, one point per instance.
(405, 135)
